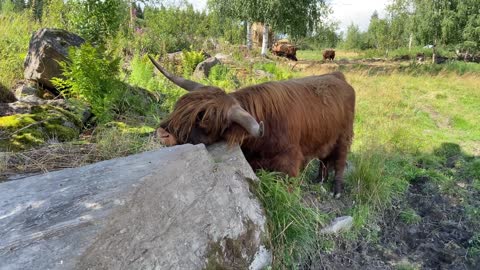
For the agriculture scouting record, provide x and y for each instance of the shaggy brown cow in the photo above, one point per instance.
(287, 50)
(280, 125)
(328, 55)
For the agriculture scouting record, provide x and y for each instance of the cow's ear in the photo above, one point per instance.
(240, 116)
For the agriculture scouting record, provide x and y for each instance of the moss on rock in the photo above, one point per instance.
(44, 123)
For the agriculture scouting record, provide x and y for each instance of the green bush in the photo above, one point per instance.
(95, 20)
(223, 77)
(190, 61)
(91, 75)
(15, 32)
(273, 68)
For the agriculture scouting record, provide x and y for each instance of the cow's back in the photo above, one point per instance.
(310, 112)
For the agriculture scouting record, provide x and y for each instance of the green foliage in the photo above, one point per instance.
(274, 69)
(326, 36)
(142, 76)
(223, 77)
(92, 76)
(97, 20)
(23, 131)
(373, 183)
(55, 14)
(170, 29)
(281, 15)
(354, 39)
(7, 7)
(190, 61)
(142, 71)
(292, 225)
(15, 32)
(409, 216)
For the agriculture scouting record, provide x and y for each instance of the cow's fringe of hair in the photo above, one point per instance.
(210, 107)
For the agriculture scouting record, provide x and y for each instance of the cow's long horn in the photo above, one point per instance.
(183, 83)
(240, 116)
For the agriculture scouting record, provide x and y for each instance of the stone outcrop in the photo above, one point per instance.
(48, 47)
(203, 68)
(183, 207)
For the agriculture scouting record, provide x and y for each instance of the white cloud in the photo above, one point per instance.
(356, 11)
(199, 4)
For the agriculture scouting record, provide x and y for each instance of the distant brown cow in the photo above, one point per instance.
(328, 55)
(280, 125)
(287, 50)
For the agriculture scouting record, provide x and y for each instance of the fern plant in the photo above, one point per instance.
(92, 76)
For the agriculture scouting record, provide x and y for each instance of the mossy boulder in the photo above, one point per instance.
(45, 123)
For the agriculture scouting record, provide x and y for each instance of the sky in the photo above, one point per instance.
(344, 11)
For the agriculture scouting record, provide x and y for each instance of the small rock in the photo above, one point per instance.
(339, 224)
(263, 74)
(224, 58)
(25, 90)
(262, 259)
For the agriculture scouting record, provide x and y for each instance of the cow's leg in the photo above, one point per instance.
(324, 167)
(341, 150)
(289, 161)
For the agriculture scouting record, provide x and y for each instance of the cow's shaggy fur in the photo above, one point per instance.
(304, 118)
(329, 55)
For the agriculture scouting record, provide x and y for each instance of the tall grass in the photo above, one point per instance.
(15, 32)
(292, 224)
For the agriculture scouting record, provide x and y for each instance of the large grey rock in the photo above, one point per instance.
(48, 47)
(181, 207)
(203, 68)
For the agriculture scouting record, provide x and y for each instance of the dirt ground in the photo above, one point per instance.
(439, 240)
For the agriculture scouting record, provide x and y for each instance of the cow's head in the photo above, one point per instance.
(203, 115)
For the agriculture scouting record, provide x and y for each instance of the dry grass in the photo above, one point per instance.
(111, 144)
(45, 159)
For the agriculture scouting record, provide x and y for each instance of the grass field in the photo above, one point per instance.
(415, 154)
(409, 130)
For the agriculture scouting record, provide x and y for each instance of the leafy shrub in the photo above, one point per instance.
(190, 61)
(97, 20)
(223, 77)
(273, 68)
(15, 32)
(142, 71)
(91, 75)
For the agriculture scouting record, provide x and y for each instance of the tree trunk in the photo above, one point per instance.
(132, 16)
(249, 35)
(410, 42)
(265, 40)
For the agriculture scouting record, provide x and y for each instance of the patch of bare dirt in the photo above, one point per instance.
(440, 240)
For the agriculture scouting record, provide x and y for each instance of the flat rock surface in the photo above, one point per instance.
(182, 207)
